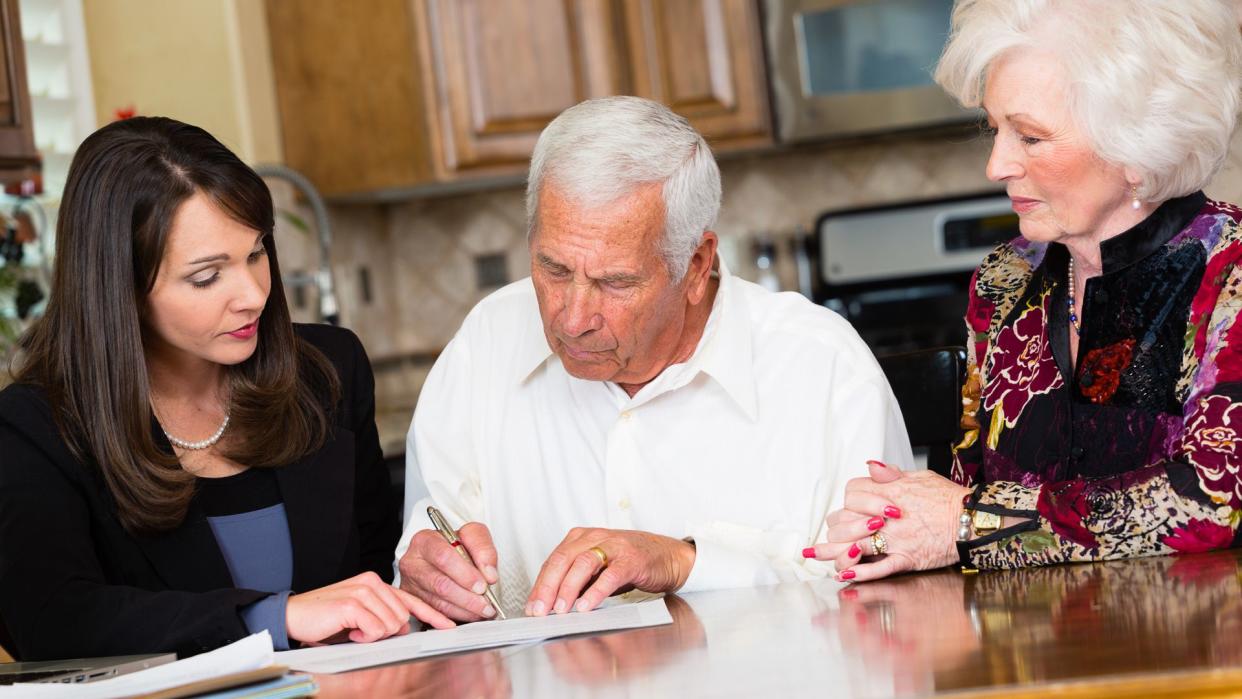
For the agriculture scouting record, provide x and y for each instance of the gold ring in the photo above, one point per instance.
(599, 553)
(879, 544)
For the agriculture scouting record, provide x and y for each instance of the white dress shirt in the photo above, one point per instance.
(746, 446)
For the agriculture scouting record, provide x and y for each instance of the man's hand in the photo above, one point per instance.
(433, 571)
(649, 562)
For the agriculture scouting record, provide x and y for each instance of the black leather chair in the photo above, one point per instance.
(928, 387)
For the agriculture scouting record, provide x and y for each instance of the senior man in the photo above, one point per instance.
(633, 415)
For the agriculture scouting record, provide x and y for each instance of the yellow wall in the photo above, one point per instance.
(206, 62)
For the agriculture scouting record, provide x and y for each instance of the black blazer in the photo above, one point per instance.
(73, 583)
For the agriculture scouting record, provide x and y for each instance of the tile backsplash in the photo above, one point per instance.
(422, 260)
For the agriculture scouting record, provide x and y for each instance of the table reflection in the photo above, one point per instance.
(609, 658)
(482, 675)
(1152, 622)
(906, 628)
(942, 632)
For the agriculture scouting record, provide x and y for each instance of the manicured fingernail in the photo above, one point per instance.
(893, 512)
(854, 551)
(490, 573)
(845, 575)
(489, 612)
(849, 593)
(808, 552)
(479, 588)
(559, 607)
(875, 523)
(881, 464)
(539, 608)
(581, 605)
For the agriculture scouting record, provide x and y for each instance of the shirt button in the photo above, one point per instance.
(624, 503)
(1077, 453)
(626, 415)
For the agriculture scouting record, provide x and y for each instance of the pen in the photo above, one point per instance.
(450, 536)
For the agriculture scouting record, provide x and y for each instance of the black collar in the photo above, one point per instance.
(1145, 237)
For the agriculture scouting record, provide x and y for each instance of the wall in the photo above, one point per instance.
(427, 256)
(418, 257)
(420, 253)
(206, 63)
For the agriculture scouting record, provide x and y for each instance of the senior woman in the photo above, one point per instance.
(1105, 381)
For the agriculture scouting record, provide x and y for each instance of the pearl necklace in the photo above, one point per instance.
(1069, 301)
(196, 446)
(193, 446)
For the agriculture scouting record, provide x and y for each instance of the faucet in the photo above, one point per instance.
(329, 311)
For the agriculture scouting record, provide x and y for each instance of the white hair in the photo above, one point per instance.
(603, 149)
(1154, 85)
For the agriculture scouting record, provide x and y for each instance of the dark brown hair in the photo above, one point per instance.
(124, 187)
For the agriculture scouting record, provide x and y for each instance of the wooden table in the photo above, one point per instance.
(1152, 627)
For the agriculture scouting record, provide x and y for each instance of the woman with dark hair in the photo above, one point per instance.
(180, 465)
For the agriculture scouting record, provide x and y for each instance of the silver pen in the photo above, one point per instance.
(441, 524)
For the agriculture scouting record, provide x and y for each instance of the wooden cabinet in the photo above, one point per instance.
(419, 93)
(502, 70)
(704, 59)
(350, 94)
(18, 157)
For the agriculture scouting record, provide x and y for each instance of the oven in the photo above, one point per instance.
(901, 274)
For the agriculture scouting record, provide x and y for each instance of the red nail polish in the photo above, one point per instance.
(845, 575)
(850, 593)
(892, 512)
(854, 551)
(808, 552)
(875, 523)
(881, 464)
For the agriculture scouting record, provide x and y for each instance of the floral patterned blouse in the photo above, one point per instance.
(1133, 450)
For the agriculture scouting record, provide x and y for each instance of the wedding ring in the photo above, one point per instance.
(879, 545)
(599, 553)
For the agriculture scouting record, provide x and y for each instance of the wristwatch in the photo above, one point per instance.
(972, 524)
(984, 523)
(981, 525)
(974, 520)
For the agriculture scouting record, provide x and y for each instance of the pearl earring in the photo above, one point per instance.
(1134, 202)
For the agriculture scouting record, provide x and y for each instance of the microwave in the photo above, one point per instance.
(854, 67)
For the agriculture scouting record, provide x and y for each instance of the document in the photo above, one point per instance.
(482, 634)
(251, 653)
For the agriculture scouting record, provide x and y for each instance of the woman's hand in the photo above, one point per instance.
(915, 512)
(364, 607)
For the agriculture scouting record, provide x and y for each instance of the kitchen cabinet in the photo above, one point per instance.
(704, 59)
(420, 94)
(350, 95)
(502, 69)
(18, 157)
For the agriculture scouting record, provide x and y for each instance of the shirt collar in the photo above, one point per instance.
(724, 351)
(1148, 235)
(726, 354)
(532, 348)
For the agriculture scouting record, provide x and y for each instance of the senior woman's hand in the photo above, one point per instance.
(917, 513)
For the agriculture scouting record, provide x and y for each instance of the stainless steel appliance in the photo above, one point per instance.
(846, 67)
(901, 274)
